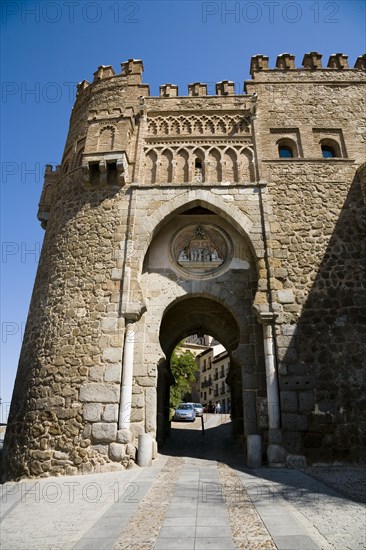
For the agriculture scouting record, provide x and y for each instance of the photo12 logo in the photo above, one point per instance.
(20, 252)
(38, 92)
(11, 329)
(15, 172)
(70, 491)
(70, 12)
(269, 12)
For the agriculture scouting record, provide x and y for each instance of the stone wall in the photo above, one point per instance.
(133, 166)
(318, 254)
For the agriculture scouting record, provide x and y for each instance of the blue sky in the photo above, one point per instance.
(48, 46)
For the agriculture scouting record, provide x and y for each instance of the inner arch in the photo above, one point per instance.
(194, 315)
(198, 314)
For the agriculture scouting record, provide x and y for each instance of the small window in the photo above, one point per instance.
(94, 173)
(285, 152)
(112, 173)
(198, 163)
(328, 152)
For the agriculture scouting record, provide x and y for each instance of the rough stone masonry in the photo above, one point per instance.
(236, 215)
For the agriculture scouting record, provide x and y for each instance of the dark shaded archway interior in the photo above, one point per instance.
(192, 315)
(196, 314)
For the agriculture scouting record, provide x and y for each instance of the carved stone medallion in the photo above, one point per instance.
(201, 249)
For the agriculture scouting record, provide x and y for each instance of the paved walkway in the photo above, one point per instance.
(197, 495)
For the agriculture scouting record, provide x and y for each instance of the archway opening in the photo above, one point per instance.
(199, 276)
(218, 376)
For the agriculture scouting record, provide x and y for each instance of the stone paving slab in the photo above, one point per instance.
(295, 542)
(175, 544)
(214, 544)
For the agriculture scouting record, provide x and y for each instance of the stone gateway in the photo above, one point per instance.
(239, 216)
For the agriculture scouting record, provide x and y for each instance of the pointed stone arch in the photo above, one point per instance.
(150, 166)
(152, 127)
(215, 165)
(231, 173)
(198, 126)
(209, 126)
(246, 165)
(163, 126)
(199, 167)
(190, 199)
(182, 158)
(166, 166)
(106, 138)
(221, 126)
(174, 127)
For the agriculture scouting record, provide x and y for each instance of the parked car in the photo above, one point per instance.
(185, 411)
(198, 408)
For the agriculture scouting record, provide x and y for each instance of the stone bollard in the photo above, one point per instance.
(144, 453)
(254, 451)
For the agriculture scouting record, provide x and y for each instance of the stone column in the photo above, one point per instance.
(275, 451)
(271, 378)
(125, 406)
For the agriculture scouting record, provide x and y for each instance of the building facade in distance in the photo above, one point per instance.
(240, 216)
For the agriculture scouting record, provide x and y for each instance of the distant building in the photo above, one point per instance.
(222, 393)
(206, 361)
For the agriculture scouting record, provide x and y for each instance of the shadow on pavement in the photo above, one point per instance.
(217, 444)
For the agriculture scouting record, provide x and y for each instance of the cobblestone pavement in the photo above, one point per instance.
(144, 526)
(196, 496)
(349, 481)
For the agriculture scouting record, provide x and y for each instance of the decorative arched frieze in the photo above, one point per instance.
(205, 163)
(198, 125)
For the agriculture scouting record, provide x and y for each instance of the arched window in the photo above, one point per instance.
(287, 148)
(330, 148)
(328, 152)
(285, 152)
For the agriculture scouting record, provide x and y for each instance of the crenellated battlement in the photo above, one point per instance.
(311, 61)
(51, 178)
(131, 73)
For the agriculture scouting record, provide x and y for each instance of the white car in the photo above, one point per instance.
(198, 408)
(185, 411)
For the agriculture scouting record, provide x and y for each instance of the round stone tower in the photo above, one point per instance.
(64, 412)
